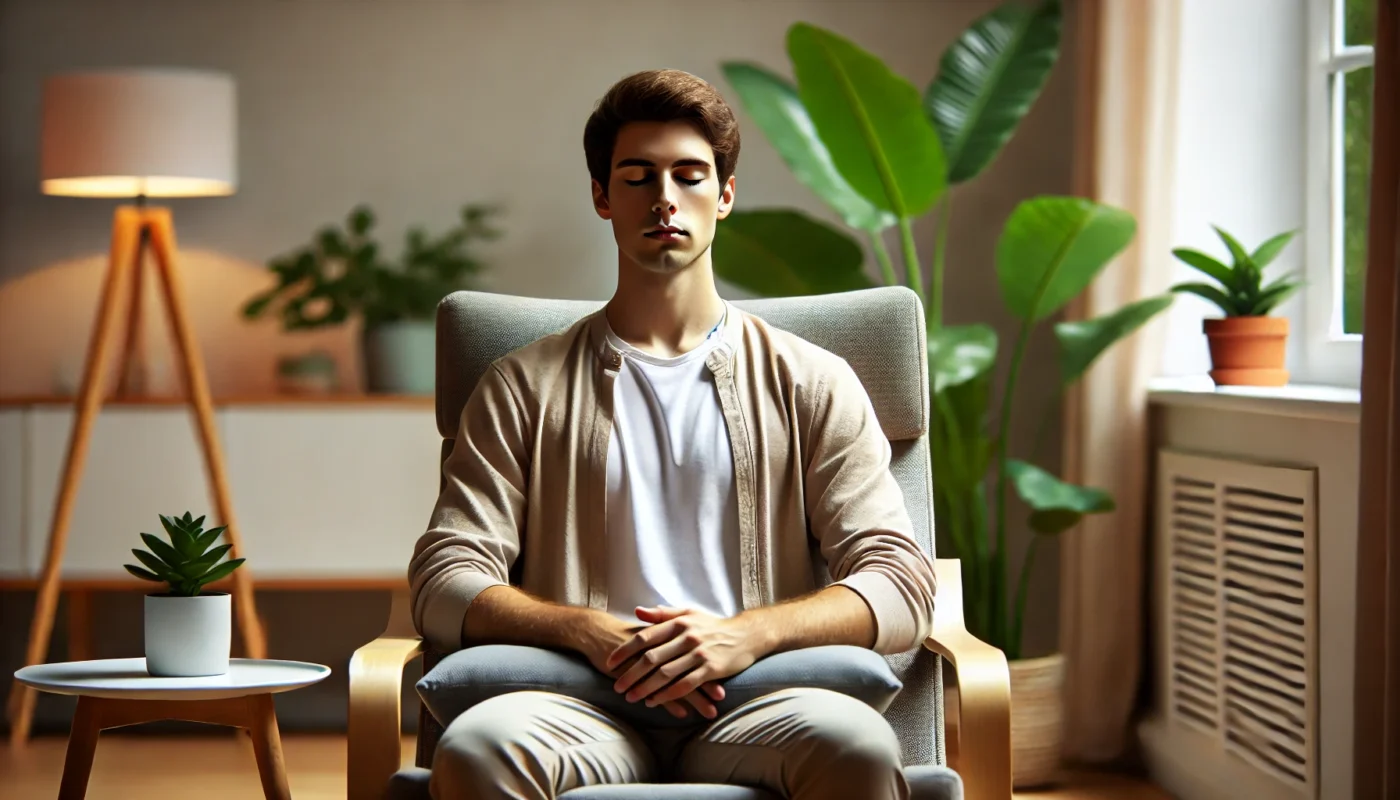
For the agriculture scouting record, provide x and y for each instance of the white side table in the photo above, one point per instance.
(116, 692)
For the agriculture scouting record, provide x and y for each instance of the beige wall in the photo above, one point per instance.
(420, 106)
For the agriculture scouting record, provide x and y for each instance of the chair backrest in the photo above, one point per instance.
(879, 332)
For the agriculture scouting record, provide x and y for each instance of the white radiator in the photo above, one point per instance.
(1238, 548)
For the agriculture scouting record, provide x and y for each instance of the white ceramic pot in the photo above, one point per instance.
(188, 636)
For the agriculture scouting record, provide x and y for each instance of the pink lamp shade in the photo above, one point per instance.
(127, 132)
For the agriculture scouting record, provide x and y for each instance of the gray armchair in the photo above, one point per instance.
(881, 334)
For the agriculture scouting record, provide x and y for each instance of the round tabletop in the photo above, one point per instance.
(126, 678)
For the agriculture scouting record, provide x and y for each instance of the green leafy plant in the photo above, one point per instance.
(881, 154)
(1241, 291)
(343, 272)
(189, 561)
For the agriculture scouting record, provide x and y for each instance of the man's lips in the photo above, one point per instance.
(666, 234)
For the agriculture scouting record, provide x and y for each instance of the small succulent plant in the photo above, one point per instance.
(187, 563)
(1242, 291)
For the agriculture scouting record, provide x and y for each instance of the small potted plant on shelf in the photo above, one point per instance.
(1246, 345)
(188, 630)
(344, 272)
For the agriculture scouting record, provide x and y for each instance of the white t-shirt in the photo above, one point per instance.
(672, 508)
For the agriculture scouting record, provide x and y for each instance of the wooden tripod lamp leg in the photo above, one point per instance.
(126, 226)
(162, 236)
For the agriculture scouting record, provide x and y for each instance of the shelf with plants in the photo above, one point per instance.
(345, 273)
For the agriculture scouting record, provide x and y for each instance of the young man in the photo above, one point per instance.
(655, 475)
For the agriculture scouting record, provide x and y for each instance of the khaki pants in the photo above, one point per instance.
(804, 744)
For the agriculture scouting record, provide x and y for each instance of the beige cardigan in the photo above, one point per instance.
(525, 485)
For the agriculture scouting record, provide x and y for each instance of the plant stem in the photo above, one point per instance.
(1013, 644)
(935, 300)
(911, 258)
(1004, 429)
(882, 255)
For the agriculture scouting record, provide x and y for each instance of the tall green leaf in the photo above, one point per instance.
(773, 104)
(1209, 266)
(1228, 306)
(1269, 250)
(786, 253)
(1052, 247)
(987, 81)
(870, 119)
(1056, 506)
(1083, 341)
(959, 353)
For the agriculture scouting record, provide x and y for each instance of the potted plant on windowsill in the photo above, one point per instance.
(188, 631)
(1247, 346)
(344, 273)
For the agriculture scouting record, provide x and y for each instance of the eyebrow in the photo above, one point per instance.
(642, 162)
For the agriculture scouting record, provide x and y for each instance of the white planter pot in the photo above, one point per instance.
(188, 636)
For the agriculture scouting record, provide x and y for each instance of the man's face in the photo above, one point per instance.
(663, 196)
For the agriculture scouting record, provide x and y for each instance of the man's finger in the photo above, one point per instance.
(687, 684)
(714, 690)
(642, 640)
(655, 614)
(670, 670)
(678, 711)
(702, 705)
(647, 665)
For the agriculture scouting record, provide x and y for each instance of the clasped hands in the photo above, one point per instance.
(676, 659)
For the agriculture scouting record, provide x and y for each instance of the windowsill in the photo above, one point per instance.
(1301, 401)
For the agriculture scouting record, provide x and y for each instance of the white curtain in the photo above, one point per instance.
(1127, 52)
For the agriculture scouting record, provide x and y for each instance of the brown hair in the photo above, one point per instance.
(661, 95)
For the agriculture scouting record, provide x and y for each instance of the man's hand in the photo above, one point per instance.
(603, 634)
(682, 650)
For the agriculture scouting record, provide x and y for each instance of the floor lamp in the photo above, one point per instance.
(135, 133)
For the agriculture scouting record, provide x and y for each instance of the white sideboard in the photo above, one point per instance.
(326, 491)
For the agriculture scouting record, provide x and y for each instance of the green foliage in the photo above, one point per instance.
(987, 82)
(871, 147)
(344, 272)
(189, 561)
(1239, 289)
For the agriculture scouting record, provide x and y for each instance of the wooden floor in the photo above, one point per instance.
(134, 766)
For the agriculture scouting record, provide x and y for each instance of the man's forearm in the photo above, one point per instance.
(834, 615)
(507, 615)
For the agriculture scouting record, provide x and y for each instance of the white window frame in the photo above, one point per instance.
(1330, 356)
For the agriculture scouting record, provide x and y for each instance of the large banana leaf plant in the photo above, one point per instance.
(881, 154)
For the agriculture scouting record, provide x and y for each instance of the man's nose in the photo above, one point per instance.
(665, 203)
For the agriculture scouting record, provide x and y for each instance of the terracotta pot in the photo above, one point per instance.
(1247, 351)
(1037, 720)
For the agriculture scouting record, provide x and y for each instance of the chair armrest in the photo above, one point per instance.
(984, 692)
(374, 736)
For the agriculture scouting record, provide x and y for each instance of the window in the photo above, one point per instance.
(1342, 33)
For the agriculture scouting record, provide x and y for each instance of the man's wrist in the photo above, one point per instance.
(762, 637)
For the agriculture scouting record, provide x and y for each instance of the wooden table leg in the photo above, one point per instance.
(256, 713)
(267, 747)
(82, 745)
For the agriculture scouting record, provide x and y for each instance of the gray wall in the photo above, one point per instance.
(417, 107)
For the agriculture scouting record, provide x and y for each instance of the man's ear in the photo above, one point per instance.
(726, 199)
(600, 201)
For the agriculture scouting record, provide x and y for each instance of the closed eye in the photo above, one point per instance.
(686, 181)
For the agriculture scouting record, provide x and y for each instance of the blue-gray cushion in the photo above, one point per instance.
(469, 676)
(926, 782)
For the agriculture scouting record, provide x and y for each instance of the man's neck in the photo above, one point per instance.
(665, 315)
